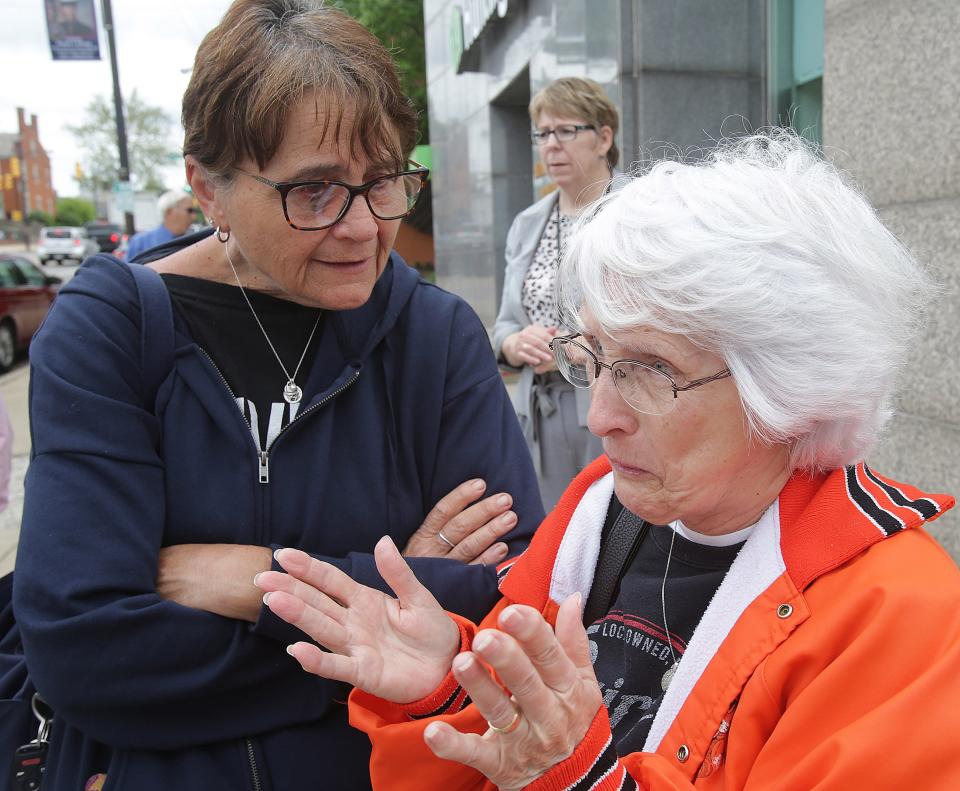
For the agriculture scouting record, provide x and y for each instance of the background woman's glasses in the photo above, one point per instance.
(564, 133)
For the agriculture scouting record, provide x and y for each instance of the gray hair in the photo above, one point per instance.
(764, 254)
(170, 199)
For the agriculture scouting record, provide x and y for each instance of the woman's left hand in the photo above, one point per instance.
(555, 696)
(462, 527)
(213, 577)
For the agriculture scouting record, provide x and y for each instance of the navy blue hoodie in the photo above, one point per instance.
(409, 403)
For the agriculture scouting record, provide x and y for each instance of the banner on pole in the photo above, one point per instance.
(72, 29)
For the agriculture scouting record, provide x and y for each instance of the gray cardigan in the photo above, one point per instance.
(522, 241)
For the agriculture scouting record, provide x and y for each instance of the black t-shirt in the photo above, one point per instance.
(222, 325)
(629, 646)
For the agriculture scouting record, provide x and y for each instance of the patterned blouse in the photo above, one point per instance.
(539, 298)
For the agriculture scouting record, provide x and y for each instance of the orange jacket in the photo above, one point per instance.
(828, 659)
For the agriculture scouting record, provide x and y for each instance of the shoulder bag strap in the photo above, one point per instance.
(617, 550)
(156, 333)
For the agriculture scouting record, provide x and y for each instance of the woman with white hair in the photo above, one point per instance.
(778, 616)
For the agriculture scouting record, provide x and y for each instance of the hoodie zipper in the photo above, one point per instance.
(254, 771)
(263, 456)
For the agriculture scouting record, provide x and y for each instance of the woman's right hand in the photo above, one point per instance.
(470, 533)
(530, 346)
(397, 649)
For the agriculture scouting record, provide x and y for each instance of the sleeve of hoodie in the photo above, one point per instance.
(477, 435)
(113, 659)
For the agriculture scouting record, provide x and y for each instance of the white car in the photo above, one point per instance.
(62, 242)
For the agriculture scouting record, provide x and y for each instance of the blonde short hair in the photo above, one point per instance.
(579, 97)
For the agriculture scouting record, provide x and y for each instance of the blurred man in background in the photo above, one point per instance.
(176, 209)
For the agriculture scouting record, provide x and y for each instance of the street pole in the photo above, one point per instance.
(124, 174)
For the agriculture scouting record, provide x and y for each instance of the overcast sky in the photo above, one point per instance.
(156, 41)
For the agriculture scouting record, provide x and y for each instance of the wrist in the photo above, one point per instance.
(447, 696)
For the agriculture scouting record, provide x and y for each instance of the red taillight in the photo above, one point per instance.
(77, 242)
(115, 238)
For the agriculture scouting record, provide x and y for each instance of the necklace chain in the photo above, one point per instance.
(291, 393)
(668, 676)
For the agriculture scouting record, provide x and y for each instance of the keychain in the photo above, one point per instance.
(30, 759)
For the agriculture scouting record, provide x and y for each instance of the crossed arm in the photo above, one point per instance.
(217, 577)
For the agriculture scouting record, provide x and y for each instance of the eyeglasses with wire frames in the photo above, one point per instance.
(564, 133)
(315, 205)
(643, 386)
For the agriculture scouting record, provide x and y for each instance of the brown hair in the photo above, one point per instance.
(578, 97)
(264, 57)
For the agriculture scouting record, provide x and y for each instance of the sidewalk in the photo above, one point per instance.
(13, 388)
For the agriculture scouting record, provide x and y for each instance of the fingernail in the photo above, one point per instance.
(508, 518)
(482, 641)
(509, 616)
(256, 577)
(500, 549)
(503, 499)
(266, 599)
(479, 484)
(432, 731)
(462, 662)
(276, 554)
(289, 650)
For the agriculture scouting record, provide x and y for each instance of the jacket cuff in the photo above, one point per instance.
(449, 697)
(594, 764)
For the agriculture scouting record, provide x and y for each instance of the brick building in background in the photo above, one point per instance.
(26, 183)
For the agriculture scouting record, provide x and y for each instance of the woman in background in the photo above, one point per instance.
(574, 129)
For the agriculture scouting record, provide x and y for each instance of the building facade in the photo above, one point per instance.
(685, 73)
(25, 177)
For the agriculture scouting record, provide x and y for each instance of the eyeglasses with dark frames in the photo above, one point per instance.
(316, 205)
(564, 133)
(643, 386)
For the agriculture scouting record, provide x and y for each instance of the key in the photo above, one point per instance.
(28, 765)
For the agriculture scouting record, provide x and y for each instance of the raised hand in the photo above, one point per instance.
(457, 530)
(397, 649)
(551, 696)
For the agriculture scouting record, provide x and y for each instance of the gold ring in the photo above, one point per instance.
(512, 726)
(446, 540)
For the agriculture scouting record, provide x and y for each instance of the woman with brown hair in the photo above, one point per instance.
(314, 392)
(574, 129)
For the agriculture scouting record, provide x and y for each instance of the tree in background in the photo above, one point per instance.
(74, 211)
(39, 217)
(148, 142)
(399, 25)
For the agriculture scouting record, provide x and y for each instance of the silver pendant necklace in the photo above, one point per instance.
(292, 393)
(672, 670)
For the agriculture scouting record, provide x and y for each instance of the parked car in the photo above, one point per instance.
(62, 243)
(26, 294)
(105, 234)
